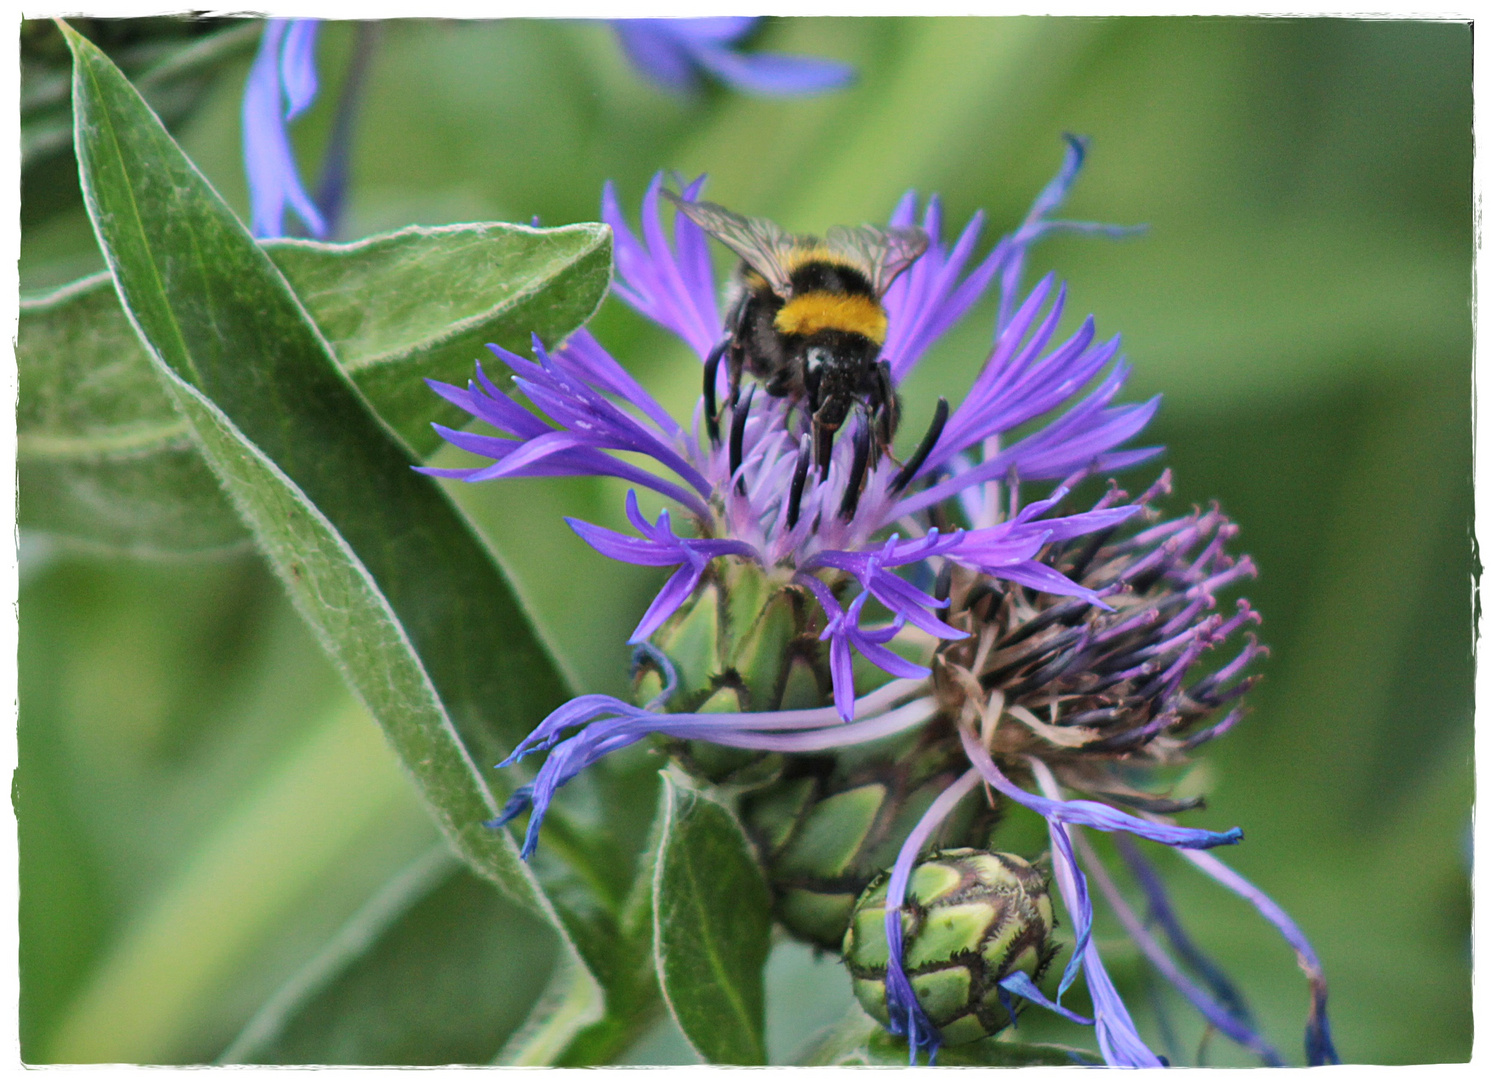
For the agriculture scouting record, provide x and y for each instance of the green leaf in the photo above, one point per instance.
(859, 1040)
(421, 302)
(171, 61)
(391, 578)
(712, 917)
(437, 968)
(104, 455)
(620, 949)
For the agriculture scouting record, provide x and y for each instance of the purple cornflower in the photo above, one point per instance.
(282, 85)
(1057, 650)
(748, 488)
(675, 52)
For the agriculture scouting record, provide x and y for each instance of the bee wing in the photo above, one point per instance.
(885, 253)
(763, 244)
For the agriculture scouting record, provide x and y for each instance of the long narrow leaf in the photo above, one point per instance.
(391, 578)
(105, 457)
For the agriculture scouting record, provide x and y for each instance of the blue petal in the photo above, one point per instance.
(773, 74)
(710, 29)
(1020, 984)
(657, 54)
(269, 161)
(298, 66)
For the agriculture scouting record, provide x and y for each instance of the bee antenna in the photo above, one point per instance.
(800, 478)
(738, 438)
(712, 371)
(851, 500)
(934, 432)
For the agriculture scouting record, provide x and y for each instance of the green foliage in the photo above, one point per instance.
(859, 1040)
(172, 62)
(438, 968)
(711, 911)
(106, 458)
(212, 832)
(399, 590)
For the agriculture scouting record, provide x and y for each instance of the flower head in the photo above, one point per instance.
(674, 53)
(1092, 685)
(1045, 693)
(848, 531)
(1046, 647)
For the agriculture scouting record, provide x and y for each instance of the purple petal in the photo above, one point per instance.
(1319, 1047)
(906, 1014)
(715, 30)
(677, 292)
(584, 353)
(928, 299)
(1118, 1040)
(773, 74)
(1020, 984)
(1225, 1009)
(607, 724)
(1092, 814)
(1043, 578)
(269, 161)
(656, 54)
(298, 66)
(842, 674)
(623, 548)
(669, 599)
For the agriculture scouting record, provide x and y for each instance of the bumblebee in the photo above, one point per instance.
(806, 319)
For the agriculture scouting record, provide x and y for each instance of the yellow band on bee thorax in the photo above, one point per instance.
(815, 311)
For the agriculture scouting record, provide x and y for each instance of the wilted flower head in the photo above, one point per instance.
(1089, 684)
(1010, 693)
(674, 53)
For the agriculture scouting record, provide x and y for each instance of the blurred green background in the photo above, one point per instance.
(203, 807)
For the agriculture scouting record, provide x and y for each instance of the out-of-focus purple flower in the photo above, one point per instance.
(282, 85)
(821, 531)
(675, 53)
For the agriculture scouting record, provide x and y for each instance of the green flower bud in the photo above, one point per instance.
(829, 824)
(743, 642)
(971, 918)
(824, 824)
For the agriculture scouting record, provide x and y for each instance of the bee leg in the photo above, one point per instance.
(885, 407)
(851, 500)
(934, 431)
(943, 587)
(823, 440)
(738, 438)
(735, 363)
(827, 418)
(795, 493)
(712, 374)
